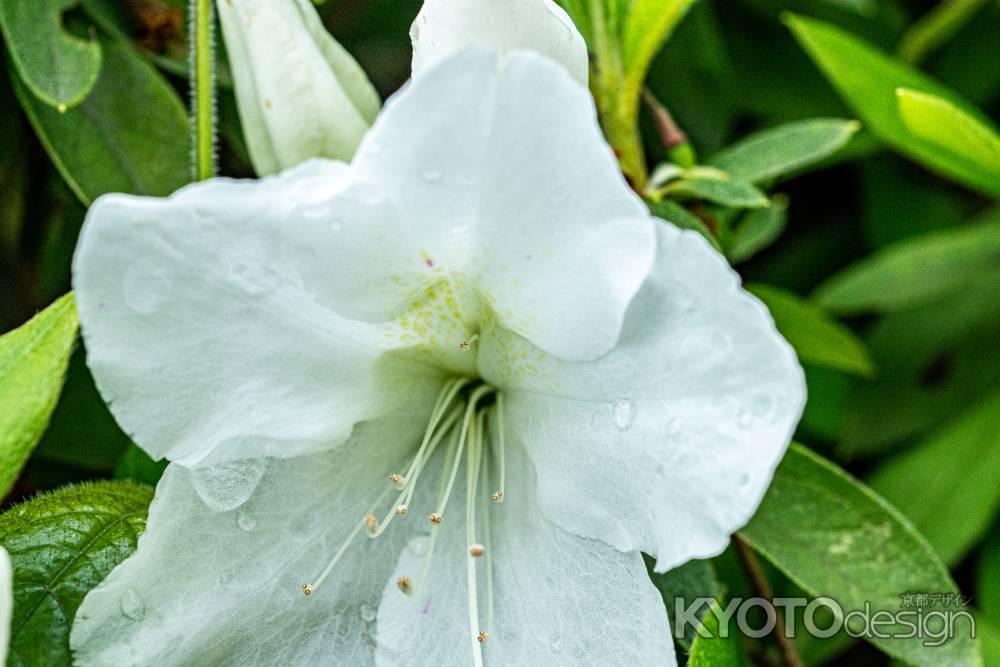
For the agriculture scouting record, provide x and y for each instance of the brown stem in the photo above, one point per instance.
(670, 135)
(761, 586)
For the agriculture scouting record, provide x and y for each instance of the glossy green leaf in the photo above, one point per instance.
(129, 135)
(835, 537)
(734, 194)
(989, 638)
(868, 80)
(33, 361)
(137, 466)
(61, 545)
(945, 484)
(695, 579)
(915, 271)
(785, 149)
(715, 650)
(648, 25)
(817, 338)
(758, 229)
(681, 217)
(939, 122)
(988, 580)
(59, 68)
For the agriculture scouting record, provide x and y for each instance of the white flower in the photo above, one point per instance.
(6, 603)
(300, 94)
(477, 306)
(446, 26)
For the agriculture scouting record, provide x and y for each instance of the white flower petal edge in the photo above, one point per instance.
(557, 599)
(446, 26)
(202, 339)
(6, 603)
(300, 93)
(668, 443)
(223, 588)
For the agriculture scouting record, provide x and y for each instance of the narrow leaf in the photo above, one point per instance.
(33, 360)
(734, 194)
(715, 650)
(759, 229)
(681, 217)
(648, 26)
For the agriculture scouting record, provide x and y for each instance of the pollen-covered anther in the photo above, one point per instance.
(477, 550)
(405, 584)
(435, 518)
(498, 497)
(397, 480)
(401, 510)
(306, 589)
(482, 636)
(371, 524)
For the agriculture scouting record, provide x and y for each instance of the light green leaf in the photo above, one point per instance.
(648, 26)
(734, 194)
(939, 122)
(61, 545)
(915, 271)
(57, 67)
(835, 537)
(759, 229)
(785, 149)
(33, 361)
(989, 636)
(817, 338)
(99, 146)
(868, 79)
(715, 650)
(681, 217)
(946, 485)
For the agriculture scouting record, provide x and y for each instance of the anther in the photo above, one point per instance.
(401, 510)
(397, 480)
(404, 584)
(482, 636)
(498, 497)
(306, 589)
(371, 524)
(477, 550)
(435, 518)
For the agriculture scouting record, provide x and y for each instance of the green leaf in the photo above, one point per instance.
(989, 636)
(715, 650)
(129, 135)
(57, 67)
(785, 149)
(695, 579)
(33, 361)
(61, 545)
(137, 466)
(988, 580)
(681, 217)
(648, 26)
(759, 229)
(868, 79)
(835, 537)
(944, 484)
(734, 194)
(939, 122)
(915, 271)
(816, 337)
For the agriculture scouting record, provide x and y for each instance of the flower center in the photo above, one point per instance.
(468, 416)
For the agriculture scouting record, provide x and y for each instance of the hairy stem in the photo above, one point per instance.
(202, 90)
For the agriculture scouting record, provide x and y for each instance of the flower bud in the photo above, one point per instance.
(446, 26)
(300, 94)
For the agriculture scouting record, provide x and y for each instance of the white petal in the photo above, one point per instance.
(558, 599)
(668, 443)
(202, 338)
(446, 26)
(6, 602)
(223, 588)
(299, 93)
(499, 176)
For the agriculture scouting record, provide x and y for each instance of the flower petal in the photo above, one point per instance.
(223, 588)
(498, 174)
(201, 337)
(558, 599)
(668, 443)
(446, 26)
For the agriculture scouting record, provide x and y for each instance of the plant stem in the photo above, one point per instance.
(936, 27)
(761, 586)
(202, 90)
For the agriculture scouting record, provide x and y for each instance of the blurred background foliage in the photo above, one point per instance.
(878, 252)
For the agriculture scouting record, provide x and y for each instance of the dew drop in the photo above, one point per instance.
(132, 605)
(367, 613)
(246, 521)
(144, 287)
(250, 275)
(744, 480)
(431, 176)
(624, 413)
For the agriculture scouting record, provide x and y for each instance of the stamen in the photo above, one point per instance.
(371, 523)
(501, 445)
(404, 584)
(489, 562)
(482, 636)
(397, 480)
(449, 456)
(477, 550)
(401, 510)
(435, 518)
(472, 470)
(467, 425)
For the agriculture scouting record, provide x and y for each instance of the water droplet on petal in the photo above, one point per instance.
(226, 486)
(132, 605)
(744, 480)
(367, 613)
(431, 176)
(624, 413)
(145, 286)
(246, 521)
